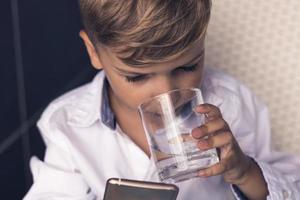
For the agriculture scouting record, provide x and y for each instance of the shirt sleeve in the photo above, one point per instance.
(54, 183)
(56, 178)
(251, 128)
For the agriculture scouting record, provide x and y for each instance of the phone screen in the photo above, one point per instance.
(124, 189)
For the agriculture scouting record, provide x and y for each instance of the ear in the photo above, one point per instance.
(94, 57)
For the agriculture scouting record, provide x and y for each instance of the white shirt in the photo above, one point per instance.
(82, 152)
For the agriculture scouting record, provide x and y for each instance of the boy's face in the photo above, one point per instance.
(130, 86)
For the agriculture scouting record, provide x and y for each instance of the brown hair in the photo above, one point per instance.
(145, 31)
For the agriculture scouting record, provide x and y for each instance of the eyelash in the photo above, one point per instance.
(141, 78)
(190, 68)
(136, 78)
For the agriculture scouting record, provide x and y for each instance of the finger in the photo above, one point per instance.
(210, 127)
(209, 110)
(216, 141)
(214, 170)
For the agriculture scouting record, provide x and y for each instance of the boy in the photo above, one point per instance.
(144, 48)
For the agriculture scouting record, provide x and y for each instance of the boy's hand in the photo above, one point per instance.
(215, 133)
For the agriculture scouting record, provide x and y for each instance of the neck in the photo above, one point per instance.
(130, 123)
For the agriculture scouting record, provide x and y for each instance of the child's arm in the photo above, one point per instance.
(51, 182)
(56, 177)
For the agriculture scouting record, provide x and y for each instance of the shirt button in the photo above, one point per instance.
(285, 194)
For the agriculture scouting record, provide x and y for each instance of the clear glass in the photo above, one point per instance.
(168, 120)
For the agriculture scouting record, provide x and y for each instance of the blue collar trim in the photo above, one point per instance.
(107, 115)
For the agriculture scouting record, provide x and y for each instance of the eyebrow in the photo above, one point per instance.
(138, 73)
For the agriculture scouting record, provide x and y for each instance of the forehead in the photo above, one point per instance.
(112, 59)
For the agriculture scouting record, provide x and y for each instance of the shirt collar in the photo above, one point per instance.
(107, 115)
(89, 101)
(85, 103)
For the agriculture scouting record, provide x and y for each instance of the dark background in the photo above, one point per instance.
(41, 57)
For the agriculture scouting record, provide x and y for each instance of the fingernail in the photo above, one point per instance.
(202, 144)
(199, 108)
(196, 133)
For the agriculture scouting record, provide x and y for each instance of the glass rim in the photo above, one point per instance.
(148, 100)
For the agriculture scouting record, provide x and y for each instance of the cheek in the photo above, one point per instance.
(139, 94)
(197, 76)
(192, 79)
(128, 94)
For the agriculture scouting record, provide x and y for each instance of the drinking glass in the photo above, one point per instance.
(168, 120)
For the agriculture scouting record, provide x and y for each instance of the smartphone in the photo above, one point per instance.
(124, 189)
